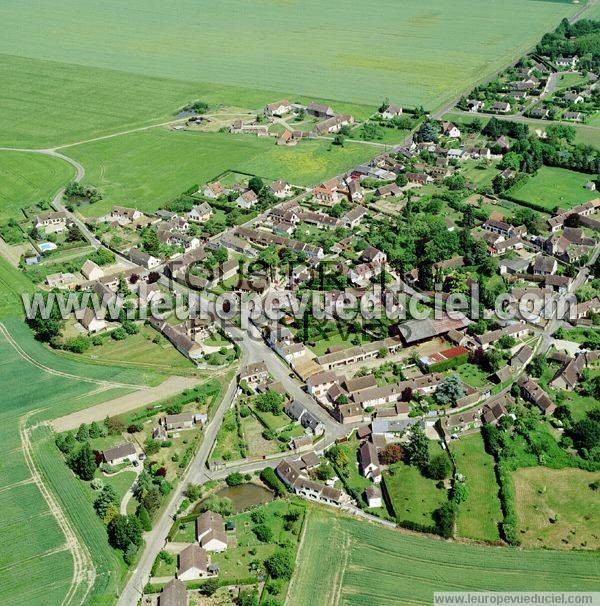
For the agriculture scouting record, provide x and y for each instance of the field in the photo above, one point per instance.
(28, 178)
(552, 187)
(479, 515)
(149, 168)
(160, 56)
(557, 508)
(345, 561)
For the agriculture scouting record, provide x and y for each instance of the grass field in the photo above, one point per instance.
(151, 167)
(345, 561)
(413, 497)
(479, 515)
(28, 178)
(552, 187)
(542, 493)
(414, 54)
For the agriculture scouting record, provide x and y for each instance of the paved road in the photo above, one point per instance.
(156, 538)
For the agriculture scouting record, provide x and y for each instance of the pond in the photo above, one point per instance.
(244, 496)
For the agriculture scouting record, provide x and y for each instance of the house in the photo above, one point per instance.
(120, 454)
(369, 461)
(533, 393)
(312, 425)
(332, 125)
(450, 130)
(292, 476)
(498, 227)
(91, 271)
(200, 213)
(391, 111)
(318, 110)
(179, 338)
(193, 563)
(183, 420)
(160, 434)
(278, 108)
(373, 255)
(474, 105)
(280, 188)
(385, 191)
(544, 266)
(572, 97)
(349, 413)
(522, 357)
(91, 322)
(355, 191)
(124, 215)
(61, 280)
(254, 374)
(319, 384)
(501, 107)
(492, 413)
(590, 186)
(572, 370)
(174, 593)
(354, 216)
(560, 284)
(517, 331)
(247, 200)
(540, 112)
(418, 178)
(328, 192)
(583, 309)
(294, 410)
(213, 190)
(51, 221)
(574, 116)
(460, 423)
(210, 531)
(139, 257)
(373, 497)
(569, 62)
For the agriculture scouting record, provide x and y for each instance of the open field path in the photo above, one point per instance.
(143, 397)
(84, 572)
(59, 373)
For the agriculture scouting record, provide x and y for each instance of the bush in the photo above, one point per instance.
(280, 565)
(263, 533)
(269, 477)
(234, 479)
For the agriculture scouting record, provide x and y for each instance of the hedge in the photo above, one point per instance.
(269, 477)
(451, 363)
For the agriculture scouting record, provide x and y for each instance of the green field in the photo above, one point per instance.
(552, 187)
(542, 493)
(147, 169)
(412, 496)
(479, 515)
(415, 54)
(28, 178)
(345, 561)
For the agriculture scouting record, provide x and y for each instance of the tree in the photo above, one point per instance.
(392, 453)
(83, 462)
(444, 519)
(280, 565)
(144, 518)
(586, 432)
(82, 435)
(401, 180)
(429, 131)
(114, 425)
(449, 391)
(193, 492)
(439, 467)
(234, 479)
(263, 533)
(95, 430)
(492, 360)
(416, 451)
(270, 401)
(256, 185)
(151, 499)
(324, 471)
(538, 366)
(511, 161)
(124, 530)
(339, 139)
(248, 598)
(108, 496)
(338, 456)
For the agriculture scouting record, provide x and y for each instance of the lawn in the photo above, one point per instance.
(257, 445)
(347, 561)
(413, 53)
(412, 496)
(471, 374)
(542, 494)
(552, 187)
(228, 446)
(133, 167)
(28, 178)
(479, 515)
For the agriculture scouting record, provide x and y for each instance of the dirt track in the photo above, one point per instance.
(131, 401)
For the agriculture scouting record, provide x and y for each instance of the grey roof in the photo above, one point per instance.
(117, 452)
(173, 594)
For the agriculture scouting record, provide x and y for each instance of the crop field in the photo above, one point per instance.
(479, 515)
(413, 53)
(346, 561)
(26, 514)
(149, 168)
(28, 178)
(557, 508)
(552, 187)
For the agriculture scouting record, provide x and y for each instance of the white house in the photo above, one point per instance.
(91, 271)
(247, 200)
(120, 454)
(210, 531)
(391, 112)
(200, 213)
(373, 496)
(279, 108)
(280, 188)
(92, 323)
(193, 564)
(213, 190)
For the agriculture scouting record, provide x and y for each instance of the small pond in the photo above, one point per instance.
(244, 496)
